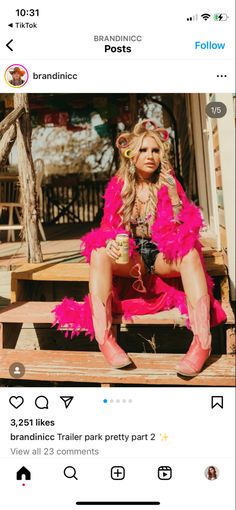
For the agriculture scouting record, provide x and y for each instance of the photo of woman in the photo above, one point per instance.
(211, 473)
(145, 203)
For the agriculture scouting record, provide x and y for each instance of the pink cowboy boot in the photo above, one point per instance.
(102, 322)
(200, 348)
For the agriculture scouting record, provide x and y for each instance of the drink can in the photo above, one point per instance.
(123, 243)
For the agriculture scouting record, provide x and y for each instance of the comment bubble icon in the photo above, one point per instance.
(41, 402)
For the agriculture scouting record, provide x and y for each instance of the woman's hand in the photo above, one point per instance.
(168, 180)
(112, 249)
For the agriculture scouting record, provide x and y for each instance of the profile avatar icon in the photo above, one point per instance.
(17, 371)
(211, 473)
(16, 76)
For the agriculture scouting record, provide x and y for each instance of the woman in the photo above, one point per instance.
(211, 473)
(145, 201)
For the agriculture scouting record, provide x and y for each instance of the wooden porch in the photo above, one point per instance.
(26, 335)
(63, 244)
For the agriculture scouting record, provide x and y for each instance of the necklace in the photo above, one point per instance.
(141, 220)
(143, 202)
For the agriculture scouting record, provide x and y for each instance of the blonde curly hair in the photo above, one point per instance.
(129, 145)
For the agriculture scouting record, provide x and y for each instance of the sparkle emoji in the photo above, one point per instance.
(164, 437)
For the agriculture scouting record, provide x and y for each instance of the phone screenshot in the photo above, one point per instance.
(117, 255)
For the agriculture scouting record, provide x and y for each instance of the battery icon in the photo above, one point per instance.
(220, 16)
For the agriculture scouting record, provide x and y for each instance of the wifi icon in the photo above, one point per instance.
(205, 16)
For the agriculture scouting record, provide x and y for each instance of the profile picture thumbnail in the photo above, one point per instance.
(212, 473)
(16, 75)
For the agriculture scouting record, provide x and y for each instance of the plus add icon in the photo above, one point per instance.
(117, 473)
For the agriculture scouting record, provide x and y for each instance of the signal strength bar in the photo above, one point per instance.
(193, 18)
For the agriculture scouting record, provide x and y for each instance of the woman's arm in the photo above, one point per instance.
(167, 178)
(112, 204)
(110, 224)
(176, 233)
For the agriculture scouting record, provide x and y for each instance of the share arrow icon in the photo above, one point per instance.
(67, 400)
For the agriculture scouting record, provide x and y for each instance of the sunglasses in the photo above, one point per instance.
(138, 284)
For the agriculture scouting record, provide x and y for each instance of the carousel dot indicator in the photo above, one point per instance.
(117, 401)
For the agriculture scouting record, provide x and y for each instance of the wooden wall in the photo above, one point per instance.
(219, 189)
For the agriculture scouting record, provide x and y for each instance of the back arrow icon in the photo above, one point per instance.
(8, 45)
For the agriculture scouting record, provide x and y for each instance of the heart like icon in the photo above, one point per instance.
(16, 401)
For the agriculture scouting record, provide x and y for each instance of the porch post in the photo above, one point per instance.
(27, 182)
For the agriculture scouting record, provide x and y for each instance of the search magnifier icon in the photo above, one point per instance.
(70, 472)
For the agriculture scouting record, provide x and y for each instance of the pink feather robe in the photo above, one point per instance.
(174, 238)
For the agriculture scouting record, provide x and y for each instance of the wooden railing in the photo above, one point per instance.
(66, 200)
(9, 188)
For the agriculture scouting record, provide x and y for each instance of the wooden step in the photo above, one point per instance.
(79, 271)
(90, 367)
(62, 272)
(40, 312)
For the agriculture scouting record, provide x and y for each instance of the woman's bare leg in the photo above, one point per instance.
(102, 267)
(100, 274)
(191, 271)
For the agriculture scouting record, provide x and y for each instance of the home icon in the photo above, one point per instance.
(23, 474)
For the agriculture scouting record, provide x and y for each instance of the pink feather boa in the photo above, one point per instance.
(175, 238)
(73, 316)
(76, 317)
(110, 225)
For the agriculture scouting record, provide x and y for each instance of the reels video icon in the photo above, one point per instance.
(164, 473)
